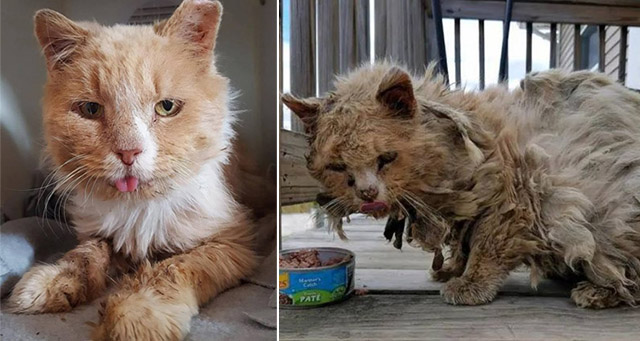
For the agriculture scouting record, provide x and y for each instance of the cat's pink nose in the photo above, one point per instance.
(128, 157)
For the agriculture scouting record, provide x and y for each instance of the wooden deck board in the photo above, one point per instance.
(420, 317)
(372, 250)
(403, 303)
(385, 281)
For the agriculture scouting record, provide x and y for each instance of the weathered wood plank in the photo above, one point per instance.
(346, 42)
(503, 75)
(302, 52)
(440, 41)
(542, 12)
(380, 28)
(328, 35)
(390, 281)
(417, 16)
(577, 48)
(602, 30)
(622, 67)
(457, 57)
(529, 42)
(353, 37)
(422, 317)
(431, 45)
(362, 35)
(296, 185)
(401, 32)
(553, 48)
(396, 31)
(366, 240)
(481, 52)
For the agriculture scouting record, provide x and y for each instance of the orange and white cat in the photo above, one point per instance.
(138, 127)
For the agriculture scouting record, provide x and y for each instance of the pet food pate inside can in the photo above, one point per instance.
(312, 277)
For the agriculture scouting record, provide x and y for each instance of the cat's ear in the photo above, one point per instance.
(396, 93)
(463, 125)
(58, 36)
(306, 109)
(196, 21)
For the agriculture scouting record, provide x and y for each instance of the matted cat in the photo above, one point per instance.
(138, 126)
(547, 175)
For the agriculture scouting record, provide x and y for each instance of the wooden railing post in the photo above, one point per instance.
(602, 36)
(553, 41)
(503, 76)
(529, 42)
(622, 67)
(457, 53)
(302, 52)
(577, 48)
(481, 52)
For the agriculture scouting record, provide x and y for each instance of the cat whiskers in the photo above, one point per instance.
(335, 210)
(423, 210)
(336, 207)
(75, 178)
(53, 179)
(395, 200)
(62, 183)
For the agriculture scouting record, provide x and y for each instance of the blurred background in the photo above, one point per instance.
(245, 53)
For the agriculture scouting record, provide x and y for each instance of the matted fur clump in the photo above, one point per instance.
(547, 175)
(139, 132)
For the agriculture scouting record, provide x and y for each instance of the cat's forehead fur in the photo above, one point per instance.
(354, 126)
(132, 60)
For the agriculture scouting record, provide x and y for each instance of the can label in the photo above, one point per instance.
(314, 287)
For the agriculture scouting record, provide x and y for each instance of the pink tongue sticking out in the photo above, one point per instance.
(370, 207)
(127, 184)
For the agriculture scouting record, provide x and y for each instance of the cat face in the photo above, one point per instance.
(376, 146)
(133, 108)
(362, 139)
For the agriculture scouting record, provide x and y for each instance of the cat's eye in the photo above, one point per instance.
(386, 158)
(168, 107)
(89, 110)
(337, 167)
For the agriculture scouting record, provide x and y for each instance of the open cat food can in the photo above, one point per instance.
(313, 277)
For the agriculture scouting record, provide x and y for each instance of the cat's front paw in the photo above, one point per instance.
(441, 275)
(461, 291)
(446, 273)
(145, 315)
(46, 289)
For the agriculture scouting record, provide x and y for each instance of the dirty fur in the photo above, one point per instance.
(546, 175)
(182, 236)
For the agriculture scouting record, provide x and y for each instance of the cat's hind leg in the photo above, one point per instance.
(157, 302)
(78, 277)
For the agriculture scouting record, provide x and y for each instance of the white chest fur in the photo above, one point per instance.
(190, 213)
